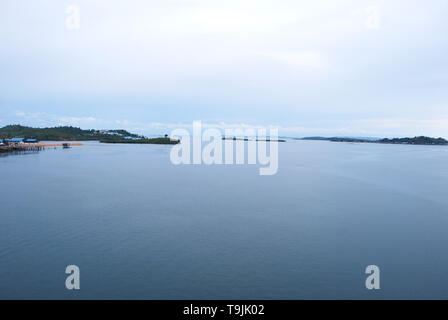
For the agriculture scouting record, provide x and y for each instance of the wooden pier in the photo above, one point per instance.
(46, 145)
(33, 147)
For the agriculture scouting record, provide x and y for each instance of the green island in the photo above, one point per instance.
(69, 133)
(422, 140)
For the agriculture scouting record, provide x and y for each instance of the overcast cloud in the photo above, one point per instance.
(329, 67)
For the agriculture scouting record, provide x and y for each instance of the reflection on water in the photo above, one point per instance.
(140, 227)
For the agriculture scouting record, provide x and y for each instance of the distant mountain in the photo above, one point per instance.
(61, 133)
(416, 140)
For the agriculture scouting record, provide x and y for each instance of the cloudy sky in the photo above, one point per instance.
(322, 67)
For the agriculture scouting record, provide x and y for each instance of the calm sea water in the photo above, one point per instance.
(139, 227)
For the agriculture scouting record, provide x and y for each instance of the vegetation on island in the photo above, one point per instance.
(69, 133)
(422, 140)
(416, 140)
(58, 133)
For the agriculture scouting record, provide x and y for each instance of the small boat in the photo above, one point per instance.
(65, 145)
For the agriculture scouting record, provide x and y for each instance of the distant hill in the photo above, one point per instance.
(416, 140)
(61, 133)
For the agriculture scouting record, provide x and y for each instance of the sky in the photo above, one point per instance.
(323, 67)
